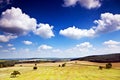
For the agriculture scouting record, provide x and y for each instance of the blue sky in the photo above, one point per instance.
(59, 28)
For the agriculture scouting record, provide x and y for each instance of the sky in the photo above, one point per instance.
(59, 28)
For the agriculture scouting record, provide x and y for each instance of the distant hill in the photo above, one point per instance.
(101, 58)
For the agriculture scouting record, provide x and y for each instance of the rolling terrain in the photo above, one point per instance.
(100, 58)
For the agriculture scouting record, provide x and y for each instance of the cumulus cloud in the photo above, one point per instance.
(89, 4)
(111, 44)
(76, 33)
(15, 21)
(12, 49)
(44, 31)
(27, 42)
(44, 47)
(81, 49)
(10, 45)
(7, 37)
(84, 45)
(108, 23)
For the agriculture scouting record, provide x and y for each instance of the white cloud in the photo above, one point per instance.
(111, 44)
(68, 3)
(13, 49)
(1, 46)
(84, 45)
(108, 23)
(81, 49)
(44, 31)
(76, 33)
(15, 21)
(10, 45)
(44, 47)
(27, 42)
(7, 37)
(56, 50)
(89, 4)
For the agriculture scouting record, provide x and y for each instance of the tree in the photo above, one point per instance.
(14, 73)
(35, 67)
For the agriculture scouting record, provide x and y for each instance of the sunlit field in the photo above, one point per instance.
(72, 71)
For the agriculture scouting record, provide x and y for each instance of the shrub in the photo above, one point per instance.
(108, 65)
(100, 67)
(34, 68)
(63, 65)
(59, 65)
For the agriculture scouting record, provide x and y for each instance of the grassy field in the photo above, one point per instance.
(51, 71)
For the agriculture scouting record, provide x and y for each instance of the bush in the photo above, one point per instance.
(108, 65)
(100, 67)
(34, 68)
(63, 65)
(59, 65)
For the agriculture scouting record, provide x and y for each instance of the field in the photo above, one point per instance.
(79, 70)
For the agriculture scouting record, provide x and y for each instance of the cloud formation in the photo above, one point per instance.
(84, 45)
(15, 21)
(76, 33)
(107, 23)
(12, 49)
(7, 37)
(88, 4)
(111, 44)
(44, 47)
(10, 45)
(27, 42)
(44, 30)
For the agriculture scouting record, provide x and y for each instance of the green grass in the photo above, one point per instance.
(79, 72)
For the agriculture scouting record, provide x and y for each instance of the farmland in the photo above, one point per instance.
(72, 71)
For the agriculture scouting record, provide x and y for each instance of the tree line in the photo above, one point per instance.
(9, 63)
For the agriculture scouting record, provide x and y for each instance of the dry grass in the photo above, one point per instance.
(75, 70)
